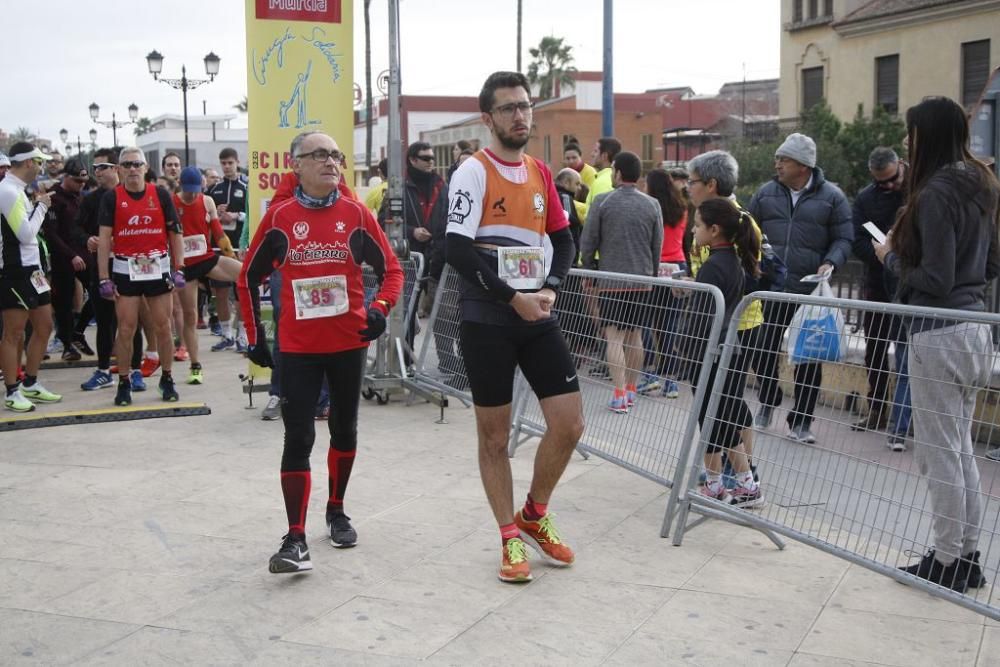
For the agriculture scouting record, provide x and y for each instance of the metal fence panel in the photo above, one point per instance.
(413, 271)
(439, 363)
(662, 331)
(882, 487)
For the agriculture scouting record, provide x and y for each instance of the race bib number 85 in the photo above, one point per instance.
(320, 297)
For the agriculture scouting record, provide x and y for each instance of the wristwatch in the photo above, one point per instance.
(552, 283)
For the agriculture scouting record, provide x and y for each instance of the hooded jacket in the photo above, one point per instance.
(816, 230)
(956, 225)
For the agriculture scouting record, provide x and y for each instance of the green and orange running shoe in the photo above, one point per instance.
(543, 536)
(514, 566)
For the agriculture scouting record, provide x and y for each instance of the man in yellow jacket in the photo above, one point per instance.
(604, 154)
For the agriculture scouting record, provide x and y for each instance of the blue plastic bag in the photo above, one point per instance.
(816, 333)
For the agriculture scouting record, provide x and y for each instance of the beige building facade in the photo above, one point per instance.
(888, 52)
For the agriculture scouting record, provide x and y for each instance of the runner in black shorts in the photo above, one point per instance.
(504, 222)
(141, 236)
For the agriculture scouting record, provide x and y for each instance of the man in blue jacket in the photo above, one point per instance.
(808, 221)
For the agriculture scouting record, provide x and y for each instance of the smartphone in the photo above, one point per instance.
(679, 273)
(874, 231)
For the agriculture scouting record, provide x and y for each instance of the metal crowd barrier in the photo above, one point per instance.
(663, 330)
(439, 366)
(413, 271)
(872, 491)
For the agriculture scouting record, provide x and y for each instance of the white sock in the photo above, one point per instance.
(745, 478)
(155, 356)
(227, 330)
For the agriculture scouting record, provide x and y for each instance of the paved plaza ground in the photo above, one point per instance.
(146, 543)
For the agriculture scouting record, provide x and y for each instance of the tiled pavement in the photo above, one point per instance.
(146, 543)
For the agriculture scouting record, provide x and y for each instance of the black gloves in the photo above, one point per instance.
(259, 352)
(376, 325)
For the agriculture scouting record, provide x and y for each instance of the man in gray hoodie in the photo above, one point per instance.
(808, 221)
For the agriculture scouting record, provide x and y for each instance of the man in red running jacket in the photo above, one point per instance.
(318, 239)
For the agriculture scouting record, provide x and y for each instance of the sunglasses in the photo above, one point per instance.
(887, 181)
(101, 166)
(426, 158)
(133, 164)
(39, 161)
(81, 179)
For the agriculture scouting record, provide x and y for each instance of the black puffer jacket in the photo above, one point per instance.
(817, 230)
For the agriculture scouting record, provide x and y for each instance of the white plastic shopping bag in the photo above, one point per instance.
(816, 333)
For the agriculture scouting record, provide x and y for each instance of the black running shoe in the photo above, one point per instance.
(124, 395)
(71, 354)
(293, 556)
(342, 534)
(954, 576)
(167, 390)
(80, 343)
(976, 578)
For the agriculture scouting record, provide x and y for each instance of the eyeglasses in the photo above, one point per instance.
(692, 181)
(80, 179)
(508, 110)
(133, 164)
(426, 158)
(101, 166)
(884, 183)
(322, 155)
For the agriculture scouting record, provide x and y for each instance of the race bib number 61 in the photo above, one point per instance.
(325, 296)
(522, 267)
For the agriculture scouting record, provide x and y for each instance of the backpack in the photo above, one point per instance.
(772, 271)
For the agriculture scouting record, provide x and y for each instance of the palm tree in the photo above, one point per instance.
(552, 66)
(22, 134)
(242, 106)
(368, 87)
(142, 126)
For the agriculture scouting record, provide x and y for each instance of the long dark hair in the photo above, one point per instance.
(736, 229)
(661, 188)
(938, 133)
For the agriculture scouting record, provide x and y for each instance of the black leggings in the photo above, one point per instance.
(733, 415)
(301, 381)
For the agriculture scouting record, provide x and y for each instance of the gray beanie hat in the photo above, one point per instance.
(798, 147)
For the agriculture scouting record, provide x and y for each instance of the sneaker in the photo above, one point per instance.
(55, 345)
(201, 324)
(181, 353)
(241, 347)
(124, 395)
(98, 380)
(763, 418)
(80, 343)
(746, 497)
(342, 534)
(716, 491)
(223, 344)
(37, 392)
(514, 566)
(195, 376)
(543, 536)
(167, 390)
(71, 354)
(649, 384)
(293, 556)
(670, 389)
(993, 454)
(954, 576)
(216, 329)
(138, 384)
(897, 443)
(874, 421)
(272, 410)
(630, 396)
(16, 402)
(322, 412)
(619, 404)
(149, 366)
(976, 578)
(801, 434)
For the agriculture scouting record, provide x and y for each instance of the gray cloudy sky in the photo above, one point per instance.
(95, 52)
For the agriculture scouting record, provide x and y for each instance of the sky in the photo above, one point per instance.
(96, 51)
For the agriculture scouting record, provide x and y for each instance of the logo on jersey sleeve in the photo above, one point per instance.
(539, 202)
(340, 227)
(461, 207)
(300, 230)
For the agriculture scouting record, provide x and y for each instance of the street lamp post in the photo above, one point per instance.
(155, 63)
(114, 123)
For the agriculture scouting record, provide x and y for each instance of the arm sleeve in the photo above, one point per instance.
(470, 265)
(169, 211)
(267, 250)
(563, 253)
(379, 255)
(841, 230)
(862, 244)
(23, 218)
(936, 273)
(657, 241)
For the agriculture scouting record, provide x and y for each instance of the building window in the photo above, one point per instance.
(887, 83)
(828, 8)
(812, 87)
(796, 11)
(813, 8)
(975, 70)
(547, 150)
(647, 147)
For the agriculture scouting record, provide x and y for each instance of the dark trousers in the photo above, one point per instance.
(880, 331)
(807, 377)
(733, 415)
(304, 375)
(63, 289)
